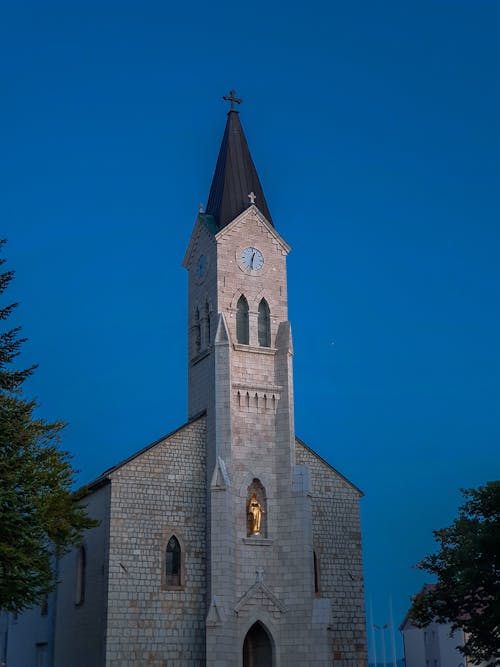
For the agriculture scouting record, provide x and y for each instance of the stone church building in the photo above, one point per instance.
(228, 542)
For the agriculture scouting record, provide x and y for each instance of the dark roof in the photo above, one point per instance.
(235, 177)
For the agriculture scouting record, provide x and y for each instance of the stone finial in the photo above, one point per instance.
(221, 334)
(259, 579)
(252, 197)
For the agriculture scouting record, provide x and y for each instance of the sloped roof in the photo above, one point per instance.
(407, 621)
(235, 177)
(105, 476)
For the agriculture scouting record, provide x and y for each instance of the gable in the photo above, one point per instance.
(321, 470)
(252, 214)
(184, 431)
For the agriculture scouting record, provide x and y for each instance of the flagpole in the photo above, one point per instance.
(374, 645)
(393, 639)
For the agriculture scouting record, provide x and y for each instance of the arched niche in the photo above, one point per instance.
(256, 509)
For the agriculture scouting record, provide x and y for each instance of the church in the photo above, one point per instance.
(229, 542)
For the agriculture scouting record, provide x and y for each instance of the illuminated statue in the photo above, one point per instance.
(254, 515)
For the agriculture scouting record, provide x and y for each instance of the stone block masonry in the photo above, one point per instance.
(156, 495)
(337, 544)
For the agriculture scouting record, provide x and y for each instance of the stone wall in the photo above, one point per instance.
(79, 636)
(337, 543)
(160, 492)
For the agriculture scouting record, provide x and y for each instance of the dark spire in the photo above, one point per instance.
(235, 183)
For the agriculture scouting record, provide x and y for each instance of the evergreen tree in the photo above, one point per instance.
(40, 518)
(467, 567)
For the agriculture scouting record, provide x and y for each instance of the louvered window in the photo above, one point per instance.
(264, 324)
(197, 332)
(242, 321)
(207, 324)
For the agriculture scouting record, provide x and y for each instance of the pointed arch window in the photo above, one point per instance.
(242, 330)
(264, 324)
(173, 558)
(207, 324)
(197, 331)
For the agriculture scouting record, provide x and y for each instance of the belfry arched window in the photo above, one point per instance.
(173, 563)
(197, 331)
(242, 334)
(264, 324)
(207, 324)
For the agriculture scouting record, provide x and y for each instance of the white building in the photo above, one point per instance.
(433, 646)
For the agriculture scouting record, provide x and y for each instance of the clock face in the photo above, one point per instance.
(252, 259)
(201, 267)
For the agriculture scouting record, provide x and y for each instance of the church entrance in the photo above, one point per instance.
(257, 647)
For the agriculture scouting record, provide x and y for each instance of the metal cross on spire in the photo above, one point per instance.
(231, 98)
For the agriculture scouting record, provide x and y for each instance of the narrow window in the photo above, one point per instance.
(207, 324)
(264, 324)
(80, 576)
(173, 562)
(316, 573)
(197, 332)
(242, 320)
(42, 655)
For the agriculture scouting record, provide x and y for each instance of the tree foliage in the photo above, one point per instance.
(467, 567)
(40, 518)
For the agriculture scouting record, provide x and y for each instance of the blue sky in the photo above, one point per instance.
(375, 131)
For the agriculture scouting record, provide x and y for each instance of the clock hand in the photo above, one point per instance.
(251, 261)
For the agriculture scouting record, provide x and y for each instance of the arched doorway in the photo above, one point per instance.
(257, 647)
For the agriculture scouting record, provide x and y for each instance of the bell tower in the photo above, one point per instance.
(260, 580)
